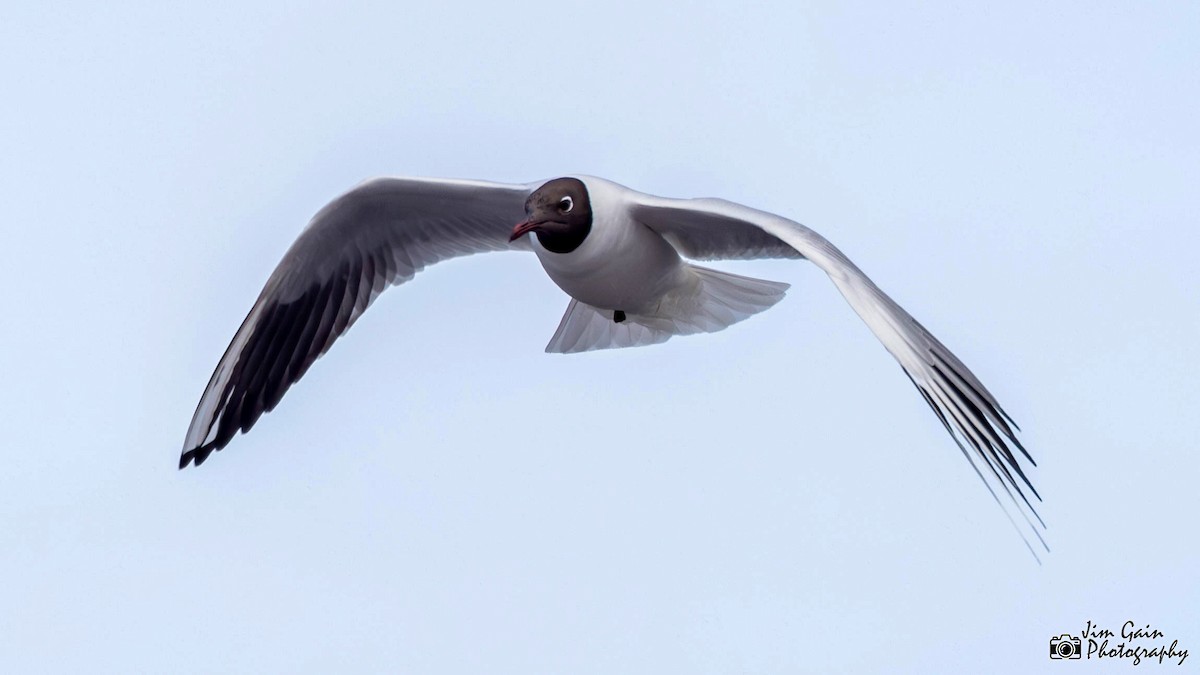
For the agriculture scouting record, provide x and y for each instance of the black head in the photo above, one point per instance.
(560, 213)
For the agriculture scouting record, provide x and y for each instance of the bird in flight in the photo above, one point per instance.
(623, 258)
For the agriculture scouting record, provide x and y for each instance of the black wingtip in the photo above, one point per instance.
(196, 455)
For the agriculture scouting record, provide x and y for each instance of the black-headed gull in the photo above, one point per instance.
(617, 252)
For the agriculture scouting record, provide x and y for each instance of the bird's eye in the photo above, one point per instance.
(565, 204)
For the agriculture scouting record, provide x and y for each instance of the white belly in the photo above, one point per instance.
(621, 265)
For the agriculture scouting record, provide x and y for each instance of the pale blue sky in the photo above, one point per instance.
(439, 496)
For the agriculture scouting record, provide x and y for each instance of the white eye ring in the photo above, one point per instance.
(566, 204)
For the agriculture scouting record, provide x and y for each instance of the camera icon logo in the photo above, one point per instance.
(1065, 647)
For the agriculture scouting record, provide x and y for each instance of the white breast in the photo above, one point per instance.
(622, 264)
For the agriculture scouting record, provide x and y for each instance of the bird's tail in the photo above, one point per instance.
(709, 302)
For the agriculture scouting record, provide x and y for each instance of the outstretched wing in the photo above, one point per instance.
(964, 406)
(380, 233)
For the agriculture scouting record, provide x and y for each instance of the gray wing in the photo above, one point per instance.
(380, 233)
(701, 235)
(965, 407)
